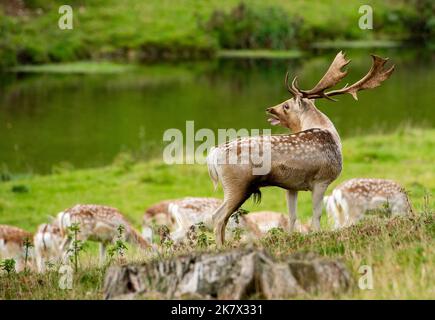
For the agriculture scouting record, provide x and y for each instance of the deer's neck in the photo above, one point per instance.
(314, 118)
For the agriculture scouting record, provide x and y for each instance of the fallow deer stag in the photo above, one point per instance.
(308, 159)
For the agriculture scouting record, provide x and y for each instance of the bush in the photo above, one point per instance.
(20, 188)
(247, 28)
(422, 25)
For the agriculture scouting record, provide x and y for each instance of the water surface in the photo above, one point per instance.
(86, 119)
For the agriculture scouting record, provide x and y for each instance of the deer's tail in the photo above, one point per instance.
(212, 163)
(339, 207)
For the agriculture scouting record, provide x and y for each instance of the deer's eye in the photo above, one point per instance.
(285, 106)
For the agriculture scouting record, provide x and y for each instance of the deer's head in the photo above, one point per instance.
(290, 113)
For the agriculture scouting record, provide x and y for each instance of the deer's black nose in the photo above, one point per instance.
(269, 109)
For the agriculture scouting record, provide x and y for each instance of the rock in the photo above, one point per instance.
(234, 274)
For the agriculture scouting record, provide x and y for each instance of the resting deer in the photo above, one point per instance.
(97, 223)
(353, 198)
(191, 211)
(179, 214)
(47, 241)
(156, 215)
(308, 159)
(259, 223)
(12, 241)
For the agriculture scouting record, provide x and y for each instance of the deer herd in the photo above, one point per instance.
(308, 158)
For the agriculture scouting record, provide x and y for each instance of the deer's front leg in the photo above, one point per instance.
(40, 263)
(65, 249)
(102, 253)
(292, 201)
(317, 197)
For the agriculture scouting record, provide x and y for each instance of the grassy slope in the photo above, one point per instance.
(400, 250)
(103, 29)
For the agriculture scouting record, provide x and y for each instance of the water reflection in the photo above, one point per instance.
(87, 119)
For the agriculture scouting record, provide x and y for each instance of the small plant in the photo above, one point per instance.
(8, 265)
(237, 233)
(274, 235)
(426, 204)
(192, 235)
(27, 245)
(165, 239)
(236, 215)
(50, 265)
(202, 240)
(119, 246)
(76, 245)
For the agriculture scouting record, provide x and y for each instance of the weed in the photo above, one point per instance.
(27, 245)
(237, 233)
(76, 245)
(119, 246)
(8, 265)
(236, 215)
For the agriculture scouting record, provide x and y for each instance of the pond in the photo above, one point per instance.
(85, 119)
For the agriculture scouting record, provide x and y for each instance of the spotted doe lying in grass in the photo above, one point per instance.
(97, 223)
(352, 199)
(260, 223)
(178, 215)
(12, 245)
(47, 241)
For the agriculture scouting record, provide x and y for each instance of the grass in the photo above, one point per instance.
(259, 54)
(83, 67)
(356, 44)
(155, 29)
(400, 250)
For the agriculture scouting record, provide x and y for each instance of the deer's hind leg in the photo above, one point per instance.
(292, 200)
(232, 201)
(317, 198)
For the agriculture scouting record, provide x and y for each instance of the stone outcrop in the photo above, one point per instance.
(234, 274)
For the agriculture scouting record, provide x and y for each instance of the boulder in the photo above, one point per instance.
(234, 274)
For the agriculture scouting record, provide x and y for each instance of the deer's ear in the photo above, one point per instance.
(298, 100)
(307, 103)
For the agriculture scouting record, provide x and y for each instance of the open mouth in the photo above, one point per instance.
(273, 120)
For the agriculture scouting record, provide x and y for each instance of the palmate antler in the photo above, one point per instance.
(334, 75)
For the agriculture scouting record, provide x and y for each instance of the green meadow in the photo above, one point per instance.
(400, 250)
(406, 156)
